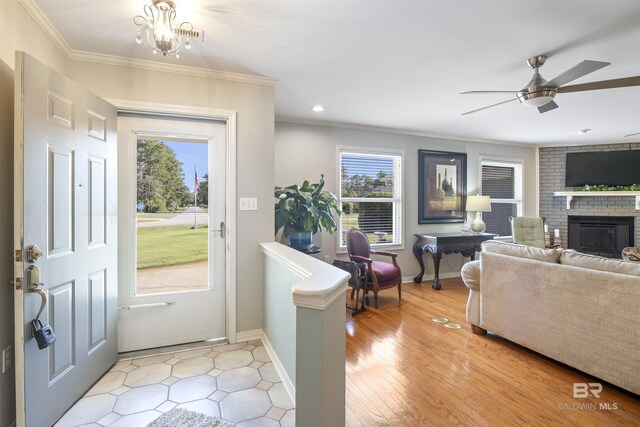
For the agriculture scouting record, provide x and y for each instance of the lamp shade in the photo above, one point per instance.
(478, 204)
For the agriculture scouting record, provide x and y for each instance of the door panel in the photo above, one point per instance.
(65, 198)
(61, 355)
(97, 310)
(97, 201)
(61, 168)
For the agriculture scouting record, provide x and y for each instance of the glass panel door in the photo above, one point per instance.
(171, 216)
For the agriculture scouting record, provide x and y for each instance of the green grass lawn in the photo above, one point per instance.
(351, 220)
(163, 246)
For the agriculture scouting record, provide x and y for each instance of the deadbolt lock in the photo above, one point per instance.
(33, 253)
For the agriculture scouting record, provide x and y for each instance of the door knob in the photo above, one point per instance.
(33, 253)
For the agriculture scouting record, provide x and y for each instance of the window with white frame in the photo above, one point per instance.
(502, 182)
(370, 195)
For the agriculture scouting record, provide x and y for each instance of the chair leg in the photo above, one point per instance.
(375, 299)
(352, 290)
(365, 295)
(399, 290)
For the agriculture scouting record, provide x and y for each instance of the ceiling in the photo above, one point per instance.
(400, 64)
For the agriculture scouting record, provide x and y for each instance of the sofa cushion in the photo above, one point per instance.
(521, 251)
(528, 231)
(593, 262)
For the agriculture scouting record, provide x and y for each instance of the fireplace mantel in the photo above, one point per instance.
(571, 194)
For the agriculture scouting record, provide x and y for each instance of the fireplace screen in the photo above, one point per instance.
(603, 236)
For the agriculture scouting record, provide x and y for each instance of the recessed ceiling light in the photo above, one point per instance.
(583, 131)
(318, 108)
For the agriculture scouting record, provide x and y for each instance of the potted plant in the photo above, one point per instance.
(305, 210)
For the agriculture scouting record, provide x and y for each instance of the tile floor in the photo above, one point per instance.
(235, 382)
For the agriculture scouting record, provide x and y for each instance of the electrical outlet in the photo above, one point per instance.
(6, 359)
(248, 204)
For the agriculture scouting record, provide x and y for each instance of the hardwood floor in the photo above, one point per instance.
(403, 369)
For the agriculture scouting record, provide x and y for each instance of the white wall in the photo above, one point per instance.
(17, 32)
(255, 176)
(305, 151)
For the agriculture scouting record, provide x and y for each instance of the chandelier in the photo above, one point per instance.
(160, 28)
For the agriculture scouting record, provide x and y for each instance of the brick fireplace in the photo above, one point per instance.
(552, 162)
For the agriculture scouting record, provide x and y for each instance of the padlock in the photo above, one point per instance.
(43, 334)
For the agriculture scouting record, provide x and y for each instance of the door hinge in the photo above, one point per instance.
(18, 270)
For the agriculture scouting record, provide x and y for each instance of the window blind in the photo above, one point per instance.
(502, 182)
(370, 196)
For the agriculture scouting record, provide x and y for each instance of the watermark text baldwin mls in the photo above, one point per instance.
(583, 391)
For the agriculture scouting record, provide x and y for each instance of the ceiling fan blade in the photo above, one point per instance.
(548, 107)
(603, 84)
(482, 92)
(489, 106)
(582, 69)
(632, 134)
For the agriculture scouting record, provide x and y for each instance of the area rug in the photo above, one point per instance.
(180, 417)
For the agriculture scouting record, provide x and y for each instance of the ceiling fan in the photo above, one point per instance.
(539, 93)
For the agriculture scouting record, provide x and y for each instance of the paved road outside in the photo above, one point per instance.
(174, 278)
(188, 217)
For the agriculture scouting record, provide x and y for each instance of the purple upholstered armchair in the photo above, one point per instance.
(379, 275)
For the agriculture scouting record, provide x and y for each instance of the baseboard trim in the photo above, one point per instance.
(430, 277)
(254, 334)
(286, 381)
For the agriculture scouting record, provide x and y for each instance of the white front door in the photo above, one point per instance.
(172, 263)
(65, 205)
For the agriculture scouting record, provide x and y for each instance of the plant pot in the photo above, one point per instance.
(301, 240)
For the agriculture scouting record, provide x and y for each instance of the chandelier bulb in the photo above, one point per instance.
(187, 44)
(139, 38)
(154, 52)
(177, 55)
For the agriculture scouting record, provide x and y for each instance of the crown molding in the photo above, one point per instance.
(40, 18)
(169, 68)
(36, 13)
(370, 128)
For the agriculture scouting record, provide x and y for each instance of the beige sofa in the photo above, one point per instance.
(578, 309)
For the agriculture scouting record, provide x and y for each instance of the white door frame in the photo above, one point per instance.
(230, 117)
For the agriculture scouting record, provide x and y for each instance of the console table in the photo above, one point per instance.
(445, 243)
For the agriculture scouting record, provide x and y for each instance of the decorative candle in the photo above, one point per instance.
(546, 228)
(556, 232)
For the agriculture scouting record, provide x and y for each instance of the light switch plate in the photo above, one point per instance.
(248, 203)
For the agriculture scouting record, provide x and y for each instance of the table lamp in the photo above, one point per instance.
(478, 204)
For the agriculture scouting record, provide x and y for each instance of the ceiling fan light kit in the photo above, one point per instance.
(161, 31)
(540, 93)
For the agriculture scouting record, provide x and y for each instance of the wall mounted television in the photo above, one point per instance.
(603, 168)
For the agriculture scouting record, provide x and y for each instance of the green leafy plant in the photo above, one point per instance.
(306, 208)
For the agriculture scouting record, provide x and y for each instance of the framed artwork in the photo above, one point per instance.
(442, 186)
